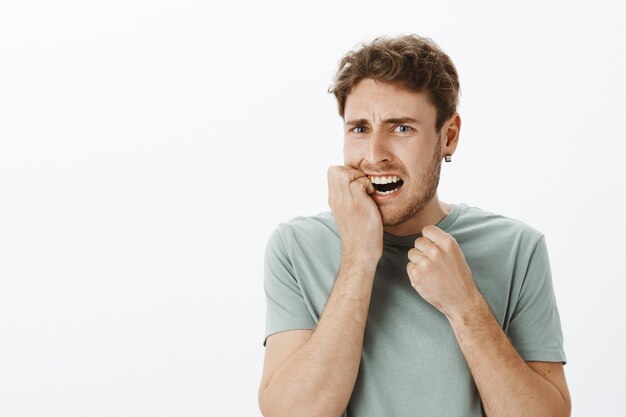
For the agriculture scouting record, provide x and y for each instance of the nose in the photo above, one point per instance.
(377, 149)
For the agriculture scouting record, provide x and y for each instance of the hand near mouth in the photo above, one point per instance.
(356, 213)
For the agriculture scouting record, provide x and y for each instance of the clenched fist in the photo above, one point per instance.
(440, 274)
(356, 214)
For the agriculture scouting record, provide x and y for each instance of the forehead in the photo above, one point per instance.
(373, 100)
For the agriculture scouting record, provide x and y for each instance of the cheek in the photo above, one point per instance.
(417, 156)
(414, 162)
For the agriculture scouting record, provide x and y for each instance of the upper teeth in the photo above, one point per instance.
(384, 180)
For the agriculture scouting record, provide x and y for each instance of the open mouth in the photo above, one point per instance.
(386, 185)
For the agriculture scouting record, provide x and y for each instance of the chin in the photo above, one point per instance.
(393, 217)
(395, 214)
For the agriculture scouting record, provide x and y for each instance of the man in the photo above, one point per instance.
(395, 303)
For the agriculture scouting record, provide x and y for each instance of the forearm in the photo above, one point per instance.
(507, 385)
(318, 379)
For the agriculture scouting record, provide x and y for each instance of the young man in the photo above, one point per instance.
(396, 303)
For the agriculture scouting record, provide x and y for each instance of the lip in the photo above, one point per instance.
(382, 175)
(379, 197)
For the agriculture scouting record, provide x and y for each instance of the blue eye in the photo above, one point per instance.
(358, 127)
(405, 126)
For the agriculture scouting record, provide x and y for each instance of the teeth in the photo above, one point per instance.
(384, 180)
(387, 192)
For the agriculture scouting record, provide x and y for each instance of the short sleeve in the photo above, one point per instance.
(286, 308)
(535, 326)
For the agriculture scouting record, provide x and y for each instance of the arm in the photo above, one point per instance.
(317, 376)
(318, 379)
(508, 386)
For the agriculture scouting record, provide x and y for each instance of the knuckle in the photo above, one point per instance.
(356, 184)
(333, 169)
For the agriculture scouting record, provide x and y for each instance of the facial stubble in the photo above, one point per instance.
(393, 215)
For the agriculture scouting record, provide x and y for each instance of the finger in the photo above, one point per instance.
(426, 246)
(361, 187)
(367, 184)
(348, 175)
(340, 176)
(436, 235)
(415, 255)
(339, 183)
(333, 175)
(352, 183)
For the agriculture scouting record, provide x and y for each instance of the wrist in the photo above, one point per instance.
(358, 261)
(475, 309)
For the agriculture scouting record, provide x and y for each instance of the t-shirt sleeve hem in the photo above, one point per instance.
(531, 355)
(298, 326)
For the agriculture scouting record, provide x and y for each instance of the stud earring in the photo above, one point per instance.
(448, 158)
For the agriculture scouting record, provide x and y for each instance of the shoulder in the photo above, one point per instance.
(495, 230)
(306, 231)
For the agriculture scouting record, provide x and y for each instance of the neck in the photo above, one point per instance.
(432, 213)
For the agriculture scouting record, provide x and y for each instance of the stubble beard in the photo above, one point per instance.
(419, 197)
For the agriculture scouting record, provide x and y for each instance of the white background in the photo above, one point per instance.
(149, 148)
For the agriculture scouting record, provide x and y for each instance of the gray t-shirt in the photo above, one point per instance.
(411, 363)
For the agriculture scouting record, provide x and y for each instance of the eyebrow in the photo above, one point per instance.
(393, 120)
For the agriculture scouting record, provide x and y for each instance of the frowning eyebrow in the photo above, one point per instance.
(393, 120)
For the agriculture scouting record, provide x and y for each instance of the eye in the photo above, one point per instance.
(406, 128)
(358, 127)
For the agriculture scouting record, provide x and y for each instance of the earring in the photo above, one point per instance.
(448, 158)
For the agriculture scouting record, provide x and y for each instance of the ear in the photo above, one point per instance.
(450, 134)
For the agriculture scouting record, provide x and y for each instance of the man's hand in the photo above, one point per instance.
(356, 213)
(440, 274)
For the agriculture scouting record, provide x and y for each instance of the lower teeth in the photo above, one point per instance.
(387, 192)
